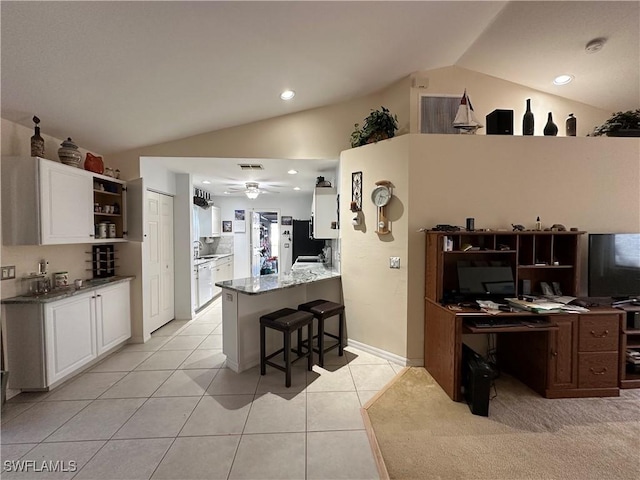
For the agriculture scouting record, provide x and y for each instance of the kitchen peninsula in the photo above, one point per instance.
(245, 300)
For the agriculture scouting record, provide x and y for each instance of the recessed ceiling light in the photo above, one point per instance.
(562, 79)
(206, 182)
(296, 188)
(287, 95)
(292, 172)
(226, 193)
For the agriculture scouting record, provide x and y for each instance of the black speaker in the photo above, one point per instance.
(526, 287)
(633, 320)
(500, 122)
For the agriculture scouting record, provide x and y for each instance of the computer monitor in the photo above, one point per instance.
(485, 281)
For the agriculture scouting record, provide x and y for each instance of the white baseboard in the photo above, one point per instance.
(392, 357)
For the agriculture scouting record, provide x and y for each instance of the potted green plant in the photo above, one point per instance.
(379, 125)
(621, 124)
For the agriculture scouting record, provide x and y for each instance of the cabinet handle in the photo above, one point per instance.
(601, 372)
(554, 354)
(604, 334)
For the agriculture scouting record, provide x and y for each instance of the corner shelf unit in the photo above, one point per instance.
(108, 192)
(534, 256)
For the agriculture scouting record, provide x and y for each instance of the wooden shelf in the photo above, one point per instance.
(100, 214)
(471, 252)
(104, 192)
(546, 266)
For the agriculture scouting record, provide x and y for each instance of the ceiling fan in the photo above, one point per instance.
(251, 190)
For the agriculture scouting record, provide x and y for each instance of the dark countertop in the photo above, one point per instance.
(315, 272)
(60, 293)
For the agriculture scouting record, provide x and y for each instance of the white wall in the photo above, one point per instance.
(156, 177)
(296, 206)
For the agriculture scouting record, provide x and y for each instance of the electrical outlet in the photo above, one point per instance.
(394, 262)
(9, 272)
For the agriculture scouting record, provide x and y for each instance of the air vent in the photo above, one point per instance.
(250, 166)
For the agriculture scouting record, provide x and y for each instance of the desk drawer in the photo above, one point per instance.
(598, 333)
(597, 370)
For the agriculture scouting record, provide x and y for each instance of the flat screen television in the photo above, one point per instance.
(614, 265)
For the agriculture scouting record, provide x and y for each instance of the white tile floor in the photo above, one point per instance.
(168, 409)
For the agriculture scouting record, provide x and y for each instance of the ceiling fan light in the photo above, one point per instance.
(296, 188)
(292, 172)
(562, 79)
(252, 194)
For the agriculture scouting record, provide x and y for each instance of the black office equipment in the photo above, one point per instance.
(500, 122)
(485, 281)
(477, 376)
(614, 265)
(494, 322)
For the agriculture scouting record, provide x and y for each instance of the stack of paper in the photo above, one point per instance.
(544, 306)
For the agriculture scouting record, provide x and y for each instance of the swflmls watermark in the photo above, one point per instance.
(39, 466)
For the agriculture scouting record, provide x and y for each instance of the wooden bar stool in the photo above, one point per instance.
(323, 309)
(287, 321)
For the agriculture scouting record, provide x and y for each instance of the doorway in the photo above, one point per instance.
(265, 242)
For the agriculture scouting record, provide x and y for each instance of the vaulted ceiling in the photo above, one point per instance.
(121, 75)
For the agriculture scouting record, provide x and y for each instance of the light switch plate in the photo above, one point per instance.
(394, 262)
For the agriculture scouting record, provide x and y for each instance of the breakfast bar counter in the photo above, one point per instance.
(245, 300)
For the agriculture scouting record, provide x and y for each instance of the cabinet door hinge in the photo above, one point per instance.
(125, 233)
(124, 189)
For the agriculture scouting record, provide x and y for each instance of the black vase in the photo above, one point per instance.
(550, 129)
(571, 126)
(527, 120)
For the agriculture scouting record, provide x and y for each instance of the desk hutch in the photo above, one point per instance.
(577, 355)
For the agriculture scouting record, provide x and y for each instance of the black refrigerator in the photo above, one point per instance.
(303, 244)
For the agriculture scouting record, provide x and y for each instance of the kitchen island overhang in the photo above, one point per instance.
(245, 300)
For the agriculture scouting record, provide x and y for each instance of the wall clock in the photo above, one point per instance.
(381, 196)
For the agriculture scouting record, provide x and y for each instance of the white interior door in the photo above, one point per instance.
(167, 299)
(159, 260)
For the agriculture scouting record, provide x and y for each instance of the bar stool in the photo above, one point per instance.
(287, 321)
(323, 309)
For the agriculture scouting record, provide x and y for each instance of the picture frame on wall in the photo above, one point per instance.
(286, 220)
(227, 226)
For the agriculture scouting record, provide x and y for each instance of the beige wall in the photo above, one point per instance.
(589, 183)
(490, 93)
(375, 296)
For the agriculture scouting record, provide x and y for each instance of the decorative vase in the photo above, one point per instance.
(527, 120)
(69, 153)
(550, 129)
(94, 164)
(37, 142)
(571, 126)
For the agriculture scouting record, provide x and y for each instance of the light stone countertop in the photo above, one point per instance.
(61, 293)
(270, 283)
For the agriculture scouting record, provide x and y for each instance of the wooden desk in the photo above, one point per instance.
(578, 356)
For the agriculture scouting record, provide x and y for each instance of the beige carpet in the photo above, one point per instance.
(422, 434)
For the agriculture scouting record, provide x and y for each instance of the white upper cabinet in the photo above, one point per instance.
(66, 204)
(325, 213)
(209, 222)
(49, 203)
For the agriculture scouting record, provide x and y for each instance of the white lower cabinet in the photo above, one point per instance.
(69, 332)
(48, 342)
(113, 316)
